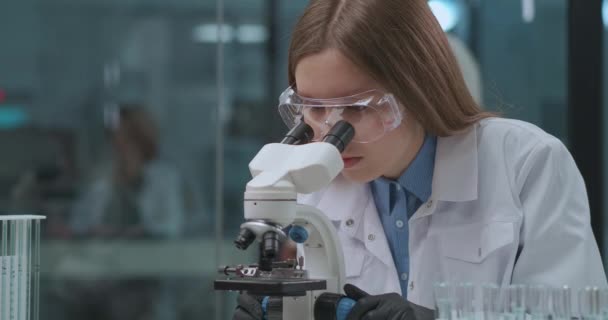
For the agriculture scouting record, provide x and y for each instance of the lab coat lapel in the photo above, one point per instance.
(373, 235)
(344, 201)
(455, 174)
(348, 201)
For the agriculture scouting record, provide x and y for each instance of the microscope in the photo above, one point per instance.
(307, 287)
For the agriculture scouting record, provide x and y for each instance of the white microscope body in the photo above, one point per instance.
(280, 172)
(308, 286)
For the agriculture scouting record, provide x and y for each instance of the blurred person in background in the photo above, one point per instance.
(136, 195)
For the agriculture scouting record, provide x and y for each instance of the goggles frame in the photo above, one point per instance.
(292, 105)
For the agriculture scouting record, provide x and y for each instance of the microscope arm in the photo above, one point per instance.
(324, 259)
(323, 251)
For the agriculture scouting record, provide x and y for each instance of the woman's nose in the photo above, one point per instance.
(334, 116)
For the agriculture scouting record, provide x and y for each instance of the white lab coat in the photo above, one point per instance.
(159, 201)
(508, 205)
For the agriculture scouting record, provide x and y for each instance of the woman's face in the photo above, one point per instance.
(330, 74)
(127, 154)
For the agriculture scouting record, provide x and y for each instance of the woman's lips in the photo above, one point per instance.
(350, 162)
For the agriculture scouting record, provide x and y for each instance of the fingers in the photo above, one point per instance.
(363, 306)
(250, 304)
(376, 315)
(241, 314)
(354, 292)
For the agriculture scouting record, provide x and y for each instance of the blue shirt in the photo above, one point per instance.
(397, 201)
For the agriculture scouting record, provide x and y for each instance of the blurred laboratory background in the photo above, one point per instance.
(130, 124)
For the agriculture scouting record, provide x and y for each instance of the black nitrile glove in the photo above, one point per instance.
(389, 306)
(248, 308)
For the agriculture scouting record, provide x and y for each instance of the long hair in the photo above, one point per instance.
(134, 121)
(400, 44)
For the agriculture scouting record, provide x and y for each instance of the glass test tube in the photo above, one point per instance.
(465, 299)
(444, 300)
(589, 303)
(490, 302)
(538, 302)
(4, 265)
(561, 303)
(19, 267)
(515, 302)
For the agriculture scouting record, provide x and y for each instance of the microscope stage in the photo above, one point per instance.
(270, 287)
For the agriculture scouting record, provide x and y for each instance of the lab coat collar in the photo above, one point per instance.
(454, 179)
(455, 175)
(351, 205)
(345, 201)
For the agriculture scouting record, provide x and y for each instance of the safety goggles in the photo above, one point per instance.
(372, 113)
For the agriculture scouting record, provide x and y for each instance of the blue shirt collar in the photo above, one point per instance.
(418, 178)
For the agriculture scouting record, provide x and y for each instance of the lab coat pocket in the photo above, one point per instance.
(474, 243)
(477, 253)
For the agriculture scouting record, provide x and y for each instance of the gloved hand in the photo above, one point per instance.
(248, 308)
(390, 306)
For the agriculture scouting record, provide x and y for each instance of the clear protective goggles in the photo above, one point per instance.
(372, 113)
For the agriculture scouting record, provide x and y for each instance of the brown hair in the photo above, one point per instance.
(141, 128)
(401, 45)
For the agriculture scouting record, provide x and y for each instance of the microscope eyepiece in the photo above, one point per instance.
(300, 134)
(340, 135)
(244, 239)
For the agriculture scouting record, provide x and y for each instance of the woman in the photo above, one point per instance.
(433, 189)
(137, 195)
